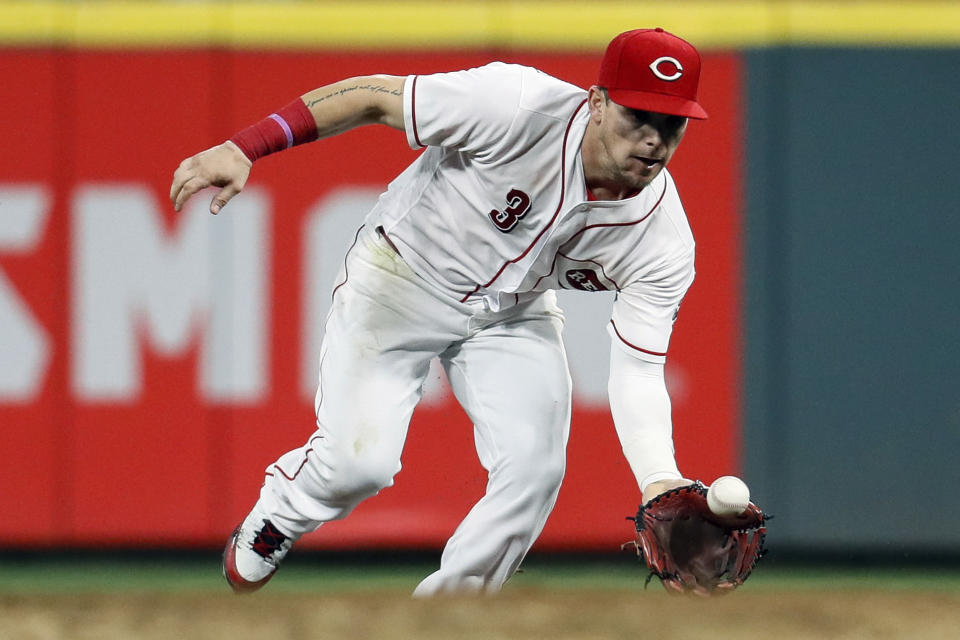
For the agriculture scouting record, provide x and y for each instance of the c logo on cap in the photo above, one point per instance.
(655, 67)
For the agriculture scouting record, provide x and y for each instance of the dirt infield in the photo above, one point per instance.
(533, 613)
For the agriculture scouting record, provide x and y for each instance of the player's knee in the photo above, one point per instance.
(547, 476)
(360, 477)
(537, 469)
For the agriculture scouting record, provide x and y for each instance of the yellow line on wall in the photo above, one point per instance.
(519, 24)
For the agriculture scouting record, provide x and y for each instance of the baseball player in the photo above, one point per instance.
(526, 184)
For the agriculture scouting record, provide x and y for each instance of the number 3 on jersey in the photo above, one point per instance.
(518, 203)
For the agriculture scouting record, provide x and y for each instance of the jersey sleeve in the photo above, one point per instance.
(645, 310)
(470, 110)
(640, 406)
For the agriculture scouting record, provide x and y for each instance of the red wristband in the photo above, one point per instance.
(289, 126)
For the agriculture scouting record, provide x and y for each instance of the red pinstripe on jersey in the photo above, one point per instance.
(605, 224)
(346, 272)
(625, 224)
(300, 468)
(413, 111)
(633, 346)
(563, 184)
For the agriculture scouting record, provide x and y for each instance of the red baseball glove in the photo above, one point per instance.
(691, 549)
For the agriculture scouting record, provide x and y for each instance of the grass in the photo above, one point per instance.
(57, 573)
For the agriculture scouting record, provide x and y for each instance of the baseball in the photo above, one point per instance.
(728, 496)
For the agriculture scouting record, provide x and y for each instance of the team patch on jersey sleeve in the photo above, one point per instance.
(584, 279)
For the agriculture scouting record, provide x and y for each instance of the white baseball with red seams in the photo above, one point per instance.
(728, 496)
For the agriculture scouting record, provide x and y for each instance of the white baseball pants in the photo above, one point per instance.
(508, 370)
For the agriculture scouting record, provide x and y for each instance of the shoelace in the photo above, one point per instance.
(268, 540)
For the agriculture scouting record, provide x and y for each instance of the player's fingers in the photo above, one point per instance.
(174, 189)
(178, 197)
(187, 189)
(180, 177)
(223, 197)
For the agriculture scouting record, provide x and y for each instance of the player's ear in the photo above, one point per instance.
(597, 101)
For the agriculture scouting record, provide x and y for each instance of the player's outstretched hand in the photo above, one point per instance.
(223, 166)
(656, 488)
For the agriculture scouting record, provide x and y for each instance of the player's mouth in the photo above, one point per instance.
(646, 165)
(650, 162)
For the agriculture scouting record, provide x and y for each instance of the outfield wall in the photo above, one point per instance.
(852, 349)
(153, 364)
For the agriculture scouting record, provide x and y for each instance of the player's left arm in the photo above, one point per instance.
(642, 322)
(641, 408)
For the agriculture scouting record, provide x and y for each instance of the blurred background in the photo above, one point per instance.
(153, 364)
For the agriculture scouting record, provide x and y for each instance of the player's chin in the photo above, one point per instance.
(641, 177)
(641, 181)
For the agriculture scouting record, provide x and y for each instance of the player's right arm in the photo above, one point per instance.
(321, 113)
(350, 103)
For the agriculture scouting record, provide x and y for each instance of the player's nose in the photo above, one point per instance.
(652, 138)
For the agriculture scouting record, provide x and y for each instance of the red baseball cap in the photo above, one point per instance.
(652, 70)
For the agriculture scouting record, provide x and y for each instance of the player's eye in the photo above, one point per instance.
(674, 123)
(673, 126)
(641, 117)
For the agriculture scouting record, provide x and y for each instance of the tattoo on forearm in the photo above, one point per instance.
(374, 88)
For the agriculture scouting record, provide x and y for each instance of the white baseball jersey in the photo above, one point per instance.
(497, 206)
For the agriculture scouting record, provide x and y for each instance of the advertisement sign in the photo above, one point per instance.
(152, 364)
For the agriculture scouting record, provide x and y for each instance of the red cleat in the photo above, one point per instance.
(253, 553)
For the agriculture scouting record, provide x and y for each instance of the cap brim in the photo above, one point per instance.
(658, 103)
